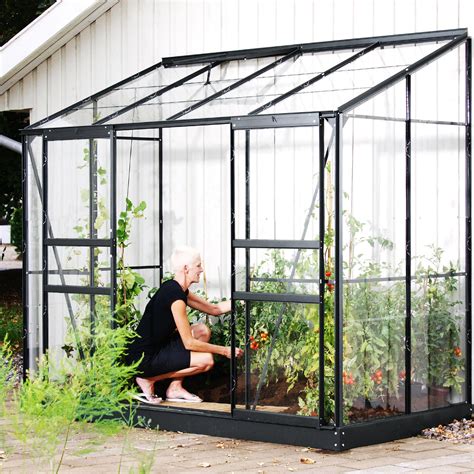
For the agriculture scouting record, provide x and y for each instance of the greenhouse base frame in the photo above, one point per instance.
(255, 425)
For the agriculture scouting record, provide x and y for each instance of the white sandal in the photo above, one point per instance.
(148, 398)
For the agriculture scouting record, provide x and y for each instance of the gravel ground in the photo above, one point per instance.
(456, 432)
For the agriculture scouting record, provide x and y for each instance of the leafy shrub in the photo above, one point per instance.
(16, 223)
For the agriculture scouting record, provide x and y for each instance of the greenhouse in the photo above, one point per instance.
(328, 188)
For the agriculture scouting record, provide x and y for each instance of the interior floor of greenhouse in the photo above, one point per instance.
(220, 407)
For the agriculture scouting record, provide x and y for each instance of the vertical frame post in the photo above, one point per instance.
(24, 288)
(247, 269)
(322, 270)
(338, 296)
(160, 198)
(92, 219)
(233, 364)
(45, 323)
(468, 145)
(113, 221)
(408, 244)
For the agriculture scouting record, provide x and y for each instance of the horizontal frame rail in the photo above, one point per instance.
(85, 290)
(276, 297)
(79, 242)
(76, 271)
(275, 244)
(249, 122)
(337, 45)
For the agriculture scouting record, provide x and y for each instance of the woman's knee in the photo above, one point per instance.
(201, 332)
(203, 361)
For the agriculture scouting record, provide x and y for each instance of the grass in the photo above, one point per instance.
(11, 323)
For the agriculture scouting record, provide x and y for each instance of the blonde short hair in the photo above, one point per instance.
(182, 256)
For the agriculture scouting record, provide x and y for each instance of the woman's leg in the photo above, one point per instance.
(200, 362)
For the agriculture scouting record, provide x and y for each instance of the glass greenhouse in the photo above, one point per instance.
(329, 186)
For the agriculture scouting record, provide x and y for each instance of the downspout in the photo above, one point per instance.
(12, 145)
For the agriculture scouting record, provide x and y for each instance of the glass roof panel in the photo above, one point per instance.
(355, 78)
(183, 101)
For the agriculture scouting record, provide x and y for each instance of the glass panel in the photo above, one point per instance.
(355, 78)
(71, 266)
(135, 89)
(69, 188)
(438, 266)
(279, 271)
(438, 89)
(374, 261)
(273, 83)
(283, 180)
(291, 383)
(70, 322)
(34, 221)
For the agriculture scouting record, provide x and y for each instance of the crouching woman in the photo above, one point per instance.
(168, 346)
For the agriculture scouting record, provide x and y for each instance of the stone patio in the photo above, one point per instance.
(168, 452)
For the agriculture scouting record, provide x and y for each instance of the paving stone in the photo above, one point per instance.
(429, 454)
(375, 462)
(384, 469)
(439, 461)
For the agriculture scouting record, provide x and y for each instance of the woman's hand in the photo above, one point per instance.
(224, 306)
(228, 352)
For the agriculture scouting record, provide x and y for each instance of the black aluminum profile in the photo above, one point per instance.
(92, 242)
(45, 323)
(159, 92)
(399, 76)
(320, 47)
(246, 122)
(160, 201)
(77, 133)
(113, 222)
(276, 418)
(233, 319)
(338, 270)
(75, 289)
(275, 244)
(68, 133)
(236, 84)
(24, 274)
(314, 79)
(468, 223)
(408, 245)
(94, 97)
(322, 271)
(92, 218)
(276, 297)
(248, 352)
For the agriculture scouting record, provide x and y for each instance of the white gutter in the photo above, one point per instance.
(45, 35)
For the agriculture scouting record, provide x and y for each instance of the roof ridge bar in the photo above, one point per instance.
(95, 96)
(390, 81)
(317, 78)
(233, 86)
(159, 92)
(322, 46)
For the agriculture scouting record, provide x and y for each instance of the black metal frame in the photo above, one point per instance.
(249, 423)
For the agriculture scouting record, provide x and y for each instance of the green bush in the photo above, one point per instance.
(16, 222)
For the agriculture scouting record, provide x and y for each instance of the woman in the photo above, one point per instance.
(171, 348)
